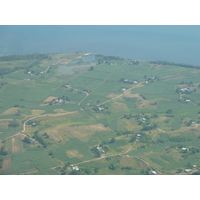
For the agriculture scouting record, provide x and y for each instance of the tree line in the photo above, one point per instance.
(176, 64)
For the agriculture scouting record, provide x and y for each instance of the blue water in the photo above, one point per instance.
(170, 43)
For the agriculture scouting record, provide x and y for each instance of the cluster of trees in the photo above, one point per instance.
(151, 79)
(97, 152)
(27, 140)
(104, 59)
(24, 57)
(176, 64)
(3, 152)
(40, 139)
(180, 139)
(148, 126)
(1, 161)
(128, 116)
(13, 124)
(134, 62)
(3, 83)
(34, 58)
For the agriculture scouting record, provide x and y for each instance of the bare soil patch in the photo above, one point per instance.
(74, 153)
(54, 135)
(131, 95)
(59, 110)
(37, 112)
(17, 144)
(7, 163)
(50, 99)
(10, 111)
(82, 132)
(112, 95)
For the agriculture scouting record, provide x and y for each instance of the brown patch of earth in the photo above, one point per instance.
(17, 144)
(54, 135)
(74, 153)
(7, 163)
(37, 112)
(82, 132)
(44, 104)
(131, 95)
(10, 111)
(50, 99)
(112, 95)
(59, 111)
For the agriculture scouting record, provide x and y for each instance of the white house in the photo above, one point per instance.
(75, 168)
(188, 170)
(153, 172)
(184, 149)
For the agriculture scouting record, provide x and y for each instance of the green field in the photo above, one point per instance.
(113, 118)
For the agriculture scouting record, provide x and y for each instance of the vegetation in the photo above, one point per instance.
(115, 116)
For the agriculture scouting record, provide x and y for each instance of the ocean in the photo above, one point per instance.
(170, 43)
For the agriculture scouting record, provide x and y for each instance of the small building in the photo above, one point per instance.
(187, 100)
(153, 172)
(101, 108)
(75, 168)
(188, 170)
(139, 135)
(99, 148)
(127, 156)
(123, 89)
(184, 89)
(184, 149)
(194, 166)
(135, 82)
(143, 119)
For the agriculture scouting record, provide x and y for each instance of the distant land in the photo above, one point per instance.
(178, 44)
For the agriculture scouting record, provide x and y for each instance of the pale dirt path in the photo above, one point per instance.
(47, 115)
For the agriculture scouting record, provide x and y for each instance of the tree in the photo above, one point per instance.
(96, 170)
(14, 123)
(27, 140)
(112, 140)
(112, 167)
(91, 68)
